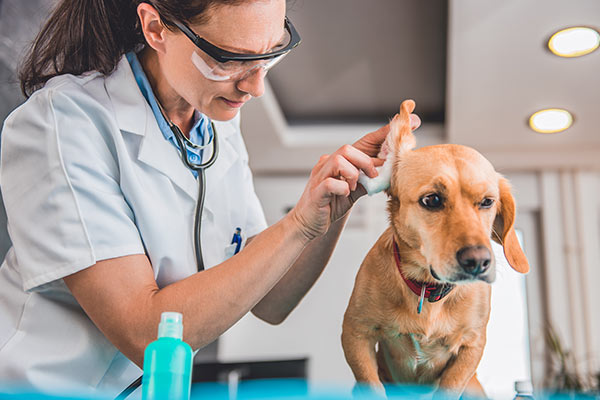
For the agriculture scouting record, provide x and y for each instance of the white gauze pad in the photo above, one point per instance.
(399, 140)
(381, 181)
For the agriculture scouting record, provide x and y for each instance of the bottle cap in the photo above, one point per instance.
(524, 387)
(171, 325)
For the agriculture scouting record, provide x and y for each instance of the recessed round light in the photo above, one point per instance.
(551, 120)
(574, 42)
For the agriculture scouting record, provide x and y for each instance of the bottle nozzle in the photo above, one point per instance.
(171, 325)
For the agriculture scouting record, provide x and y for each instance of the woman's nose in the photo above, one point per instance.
(254, 83)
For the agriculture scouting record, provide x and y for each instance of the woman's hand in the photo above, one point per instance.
(333, 185)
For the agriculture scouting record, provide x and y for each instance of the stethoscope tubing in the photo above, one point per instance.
(201, 169)
(183, 148)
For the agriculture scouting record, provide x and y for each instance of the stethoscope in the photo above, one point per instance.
(200, 168)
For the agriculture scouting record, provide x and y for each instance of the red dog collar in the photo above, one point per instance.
(433, 292)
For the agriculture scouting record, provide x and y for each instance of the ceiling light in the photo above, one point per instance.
(551, 120)
(574, 42)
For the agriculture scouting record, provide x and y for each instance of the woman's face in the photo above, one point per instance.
(251, 27)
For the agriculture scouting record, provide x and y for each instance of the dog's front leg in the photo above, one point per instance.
(457, 375)
(359, 350)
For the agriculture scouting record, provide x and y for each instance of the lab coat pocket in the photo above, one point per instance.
(230, 251)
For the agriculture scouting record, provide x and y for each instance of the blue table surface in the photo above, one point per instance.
(288, 389)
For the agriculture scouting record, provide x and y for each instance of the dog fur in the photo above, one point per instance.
(384, 339)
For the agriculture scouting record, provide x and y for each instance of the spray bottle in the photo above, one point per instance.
(168, 362)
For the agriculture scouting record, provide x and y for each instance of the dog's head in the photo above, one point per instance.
(445, 203)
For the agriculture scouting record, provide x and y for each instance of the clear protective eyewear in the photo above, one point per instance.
(221, 65)
(231, 70)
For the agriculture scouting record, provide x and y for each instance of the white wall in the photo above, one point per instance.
(506, 357)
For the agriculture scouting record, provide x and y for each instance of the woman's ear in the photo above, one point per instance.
(503, 231)
(152, 27)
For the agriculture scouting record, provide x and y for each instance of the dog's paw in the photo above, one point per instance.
(368, 391)
(444, 394)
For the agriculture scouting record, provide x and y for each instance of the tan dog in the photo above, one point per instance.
(445, 202)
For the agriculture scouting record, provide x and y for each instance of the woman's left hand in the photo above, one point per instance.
(370, 144)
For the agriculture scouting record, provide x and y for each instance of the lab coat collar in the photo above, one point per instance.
(134, 115)
(128, 102)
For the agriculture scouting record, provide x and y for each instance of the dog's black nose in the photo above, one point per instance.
(474, 260)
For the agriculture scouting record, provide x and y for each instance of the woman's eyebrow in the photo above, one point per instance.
(280, 43)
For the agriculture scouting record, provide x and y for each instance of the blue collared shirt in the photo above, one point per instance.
(201, 124)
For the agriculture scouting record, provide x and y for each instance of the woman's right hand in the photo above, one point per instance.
(332, 189)
(333, 185)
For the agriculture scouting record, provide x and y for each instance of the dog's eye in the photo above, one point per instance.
(431, 201)
(486, 203)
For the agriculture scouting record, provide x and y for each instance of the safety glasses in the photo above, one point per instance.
(221, 65)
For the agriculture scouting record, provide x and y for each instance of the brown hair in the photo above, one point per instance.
(92, 35)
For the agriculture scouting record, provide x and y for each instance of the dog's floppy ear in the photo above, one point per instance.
(400, 139)
(504, 231)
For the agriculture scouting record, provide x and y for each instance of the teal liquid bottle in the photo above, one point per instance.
(168, 362)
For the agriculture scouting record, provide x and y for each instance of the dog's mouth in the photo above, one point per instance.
(462, 277)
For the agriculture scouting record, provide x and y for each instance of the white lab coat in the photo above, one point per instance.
(87, 175)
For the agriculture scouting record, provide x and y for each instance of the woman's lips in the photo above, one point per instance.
(233, 104)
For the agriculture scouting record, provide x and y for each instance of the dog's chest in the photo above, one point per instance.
(417, 351)
(414, 354)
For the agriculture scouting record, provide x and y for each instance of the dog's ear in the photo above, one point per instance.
(400, 139)
(504, 229)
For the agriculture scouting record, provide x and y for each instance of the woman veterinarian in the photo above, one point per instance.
(102, 190)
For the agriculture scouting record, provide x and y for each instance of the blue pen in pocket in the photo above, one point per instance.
(237, 239)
